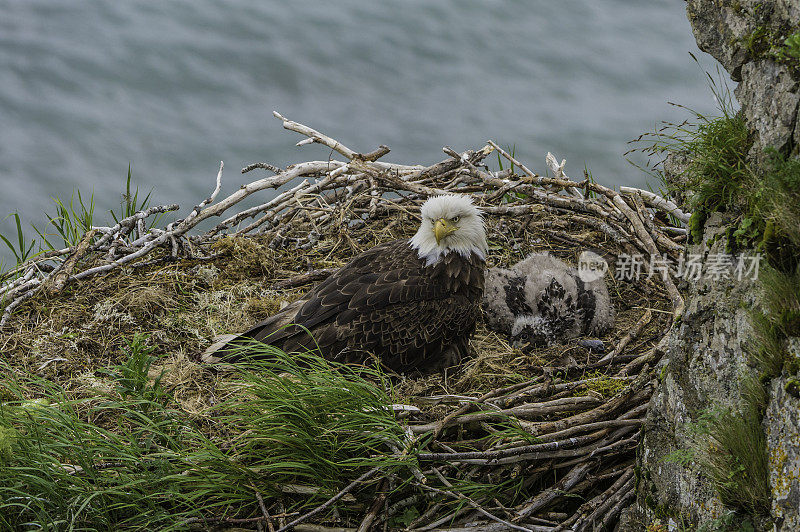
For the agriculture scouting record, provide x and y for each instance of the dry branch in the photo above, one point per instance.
(658, 202)
(347, 489)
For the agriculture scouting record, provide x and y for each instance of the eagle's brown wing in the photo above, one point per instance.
(384, 302)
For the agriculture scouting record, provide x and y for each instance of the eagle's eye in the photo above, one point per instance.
(455, 219)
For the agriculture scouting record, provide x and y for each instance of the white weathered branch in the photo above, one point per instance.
(315, 136)
(211, 198)
(656, 201)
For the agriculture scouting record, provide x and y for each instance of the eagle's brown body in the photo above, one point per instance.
(386, 302)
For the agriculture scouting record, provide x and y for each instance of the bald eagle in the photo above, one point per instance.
(412, 303)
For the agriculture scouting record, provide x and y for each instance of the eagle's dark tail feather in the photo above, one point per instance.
(273, 330)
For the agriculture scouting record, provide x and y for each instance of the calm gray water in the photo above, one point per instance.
(175, 87)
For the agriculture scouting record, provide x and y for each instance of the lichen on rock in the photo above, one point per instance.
(782, 427)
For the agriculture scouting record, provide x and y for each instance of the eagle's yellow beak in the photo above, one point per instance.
(442, 229)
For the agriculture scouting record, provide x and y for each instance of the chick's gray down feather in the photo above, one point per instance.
(542, 300)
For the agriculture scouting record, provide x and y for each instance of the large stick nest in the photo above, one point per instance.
(563, 421)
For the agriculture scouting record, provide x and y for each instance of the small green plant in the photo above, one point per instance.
(510, 196)
(405, 518)
(682, 457)
(509, 149)
(790, 49)
(22, 249)
(130, 203)
(133, 375)
(757, 42)
(792, 387)
(764, 42)
(746, 232)
(587, 174)
(726, 522)
(71, 222)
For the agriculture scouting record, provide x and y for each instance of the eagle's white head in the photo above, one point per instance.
(450, 223)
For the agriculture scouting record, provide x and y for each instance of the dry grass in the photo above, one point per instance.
(181, 306)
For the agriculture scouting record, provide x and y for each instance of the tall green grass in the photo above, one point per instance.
(18, 244)
(774, 201)
(760, 192)
(133, 460)
(311, 420)
(736, 458)
(779, 320)
(717, 174)
(716, 147)
(718, 171)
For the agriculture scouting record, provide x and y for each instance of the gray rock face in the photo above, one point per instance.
(704, 356)
(770, 99)
(788, 10)
(739, 35)
(700, 372)
(719, 31)
(782, 428)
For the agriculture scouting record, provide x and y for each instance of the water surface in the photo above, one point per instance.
(174, 87)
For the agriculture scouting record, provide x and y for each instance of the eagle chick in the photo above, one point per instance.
(541, 300)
